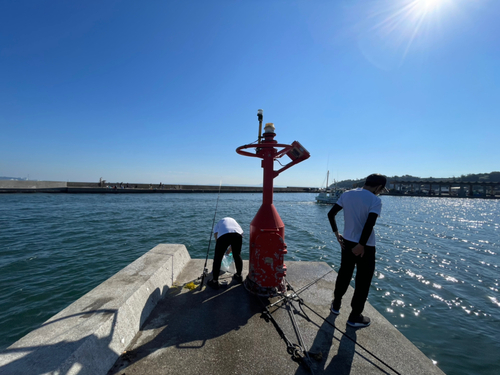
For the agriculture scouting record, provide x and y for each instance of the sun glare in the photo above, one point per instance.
(426, 6)
(394, 27)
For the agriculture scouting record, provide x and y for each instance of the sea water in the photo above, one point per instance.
(436, 279)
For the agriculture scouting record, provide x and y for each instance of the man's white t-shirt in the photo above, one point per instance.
(227, 225)
(357, 204)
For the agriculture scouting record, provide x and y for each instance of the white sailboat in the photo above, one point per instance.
(328, 196)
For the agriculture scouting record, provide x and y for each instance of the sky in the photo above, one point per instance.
(165, 91)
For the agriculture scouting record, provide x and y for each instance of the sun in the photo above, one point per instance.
(393, 29)
(425, 6)
(408, 14)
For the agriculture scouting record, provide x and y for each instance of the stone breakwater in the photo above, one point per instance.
(11, 186)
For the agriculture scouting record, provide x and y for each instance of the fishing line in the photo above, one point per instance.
(296, 349)
(354, 341)
(301, 302)
(301, 289)
(205, 271)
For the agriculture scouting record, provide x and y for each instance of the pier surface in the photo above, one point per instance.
(144, 320)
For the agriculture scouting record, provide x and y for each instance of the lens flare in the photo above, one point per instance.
(428, 5)
(394, 27)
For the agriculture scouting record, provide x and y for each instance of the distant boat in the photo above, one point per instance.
(328, 196)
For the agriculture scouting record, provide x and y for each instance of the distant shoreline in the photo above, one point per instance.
(14, 186)
(23, 186)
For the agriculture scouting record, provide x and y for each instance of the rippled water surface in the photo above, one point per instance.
(437, 277)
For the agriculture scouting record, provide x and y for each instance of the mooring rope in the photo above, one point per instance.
(297, 351)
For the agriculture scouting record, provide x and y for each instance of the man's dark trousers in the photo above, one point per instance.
(234, 240)
(364, 273)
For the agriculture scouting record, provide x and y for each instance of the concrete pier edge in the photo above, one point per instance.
(88, 336)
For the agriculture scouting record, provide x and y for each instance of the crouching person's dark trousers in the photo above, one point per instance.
(234, 240)
(365, 268)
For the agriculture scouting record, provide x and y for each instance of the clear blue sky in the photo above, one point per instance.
(165, 91)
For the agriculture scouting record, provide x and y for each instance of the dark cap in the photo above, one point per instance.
(376, 180)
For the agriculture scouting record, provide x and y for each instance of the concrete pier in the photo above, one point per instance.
(144, 321)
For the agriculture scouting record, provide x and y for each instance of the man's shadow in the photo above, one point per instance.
(341, 363)
(326, 341)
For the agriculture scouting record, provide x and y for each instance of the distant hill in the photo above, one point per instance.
(473, 177)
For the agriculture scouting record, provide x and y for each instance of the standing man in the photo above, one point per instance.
(227, 232)
(361, 208)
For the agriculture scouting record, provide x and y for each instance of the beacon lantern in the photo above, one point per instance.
(267, 232)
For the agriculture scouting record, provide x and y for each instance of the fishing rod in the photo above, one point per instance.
(205, 270)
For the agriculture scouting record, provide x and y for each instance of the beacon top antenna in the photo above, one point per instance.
(260, 115)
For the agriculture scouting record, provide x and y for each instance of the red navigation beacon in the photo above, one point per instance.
(267, 232)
